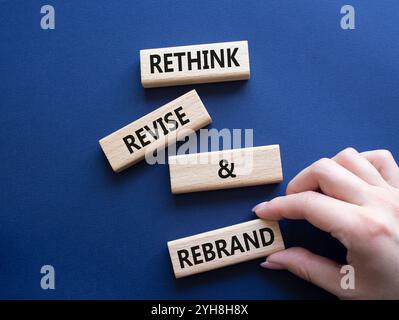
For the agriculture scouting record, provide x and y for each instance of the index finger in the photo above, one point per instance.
(328, 214)
(333, 180)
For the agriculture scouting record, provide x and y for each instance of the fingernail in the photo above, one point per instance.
(271, 265)
(259, 206)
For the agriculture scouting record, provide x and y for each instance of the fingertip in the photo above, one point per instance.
(288, 257)
(272, 265)
(261, 215)
(262, 210)
(270, 210)
(259, 207)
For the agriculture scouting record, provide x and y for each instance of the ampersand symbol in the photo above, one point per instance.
(224, 167)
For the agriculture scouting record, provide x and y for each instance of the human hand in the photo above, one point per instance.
(355, 197)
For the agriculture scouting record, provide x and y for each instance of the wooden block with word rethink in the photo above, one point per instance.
(163, 126)
(214, 62)
(222, 247)
(225, 169)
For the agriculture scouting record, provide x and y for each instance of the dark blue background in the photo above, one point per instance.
(314, 89)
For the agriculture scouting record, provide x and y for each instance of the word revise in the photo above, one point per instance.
(129, 144)
(216, 62)
(167, 124)
(223, 247)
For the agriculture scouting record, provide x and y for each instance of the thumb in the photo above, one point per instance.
(316, 269)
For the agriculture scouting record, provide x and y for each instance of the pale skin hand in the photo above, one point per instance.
(355, 197)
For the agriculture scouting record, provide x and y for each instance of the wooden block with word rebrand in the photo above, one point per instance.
(225, 169)
(222, 247)
(214, 62)
(155, 130)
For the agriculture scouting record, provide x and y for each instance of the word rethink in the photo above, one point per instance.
(225, 61)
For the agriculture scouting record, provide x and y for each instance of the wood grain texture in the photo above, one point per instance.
(187, 107)
(200, 171)
(209, 250)
(172, 66)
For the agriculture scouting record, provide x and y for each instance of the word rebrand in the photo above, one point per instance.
(223, 247)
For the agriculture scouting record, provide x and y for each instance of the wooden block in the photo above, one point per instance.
(157, 129)
(222, 247)
(225, 169)
(214, 62)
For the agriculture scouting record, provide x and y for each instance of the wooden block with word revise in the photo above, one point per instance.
(163, 126)
(225, 169)
(222, 247)
(214, 62)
